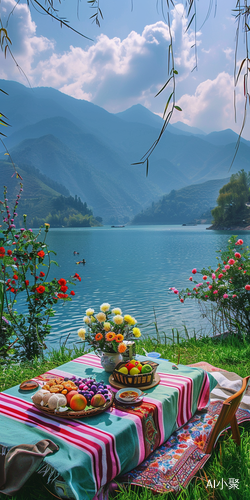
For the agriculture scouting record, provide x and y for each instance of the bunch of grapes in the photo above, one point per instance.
(88, 387)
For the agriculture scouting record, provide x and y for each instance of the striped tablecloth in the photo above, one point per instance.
(94, 450)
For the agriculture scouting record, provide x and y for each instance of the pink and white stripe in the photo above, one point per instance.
(204, 393)
(90, 360)
(184, 385)
(99, 445)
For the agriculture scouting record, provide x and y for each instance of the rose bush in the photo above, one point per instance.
(22, 254)
(227, 287)
(108, 329)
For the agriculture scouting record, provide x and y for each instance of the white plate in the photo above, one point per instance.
(126, 389)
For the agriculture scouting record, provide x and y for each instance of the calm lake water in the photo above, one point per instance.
(132, 268)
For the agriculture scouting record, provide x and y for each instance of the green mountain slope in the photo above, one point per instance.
(38, 200)
(182, 206)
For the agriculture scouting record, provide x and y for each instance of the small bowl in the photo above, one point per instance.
(129, 394)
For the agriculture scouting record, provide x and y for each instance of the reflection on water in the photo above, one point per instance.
(132, 268)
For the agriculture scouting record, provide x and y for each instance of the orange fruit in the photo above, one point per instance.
(70, 395)
(78, 402)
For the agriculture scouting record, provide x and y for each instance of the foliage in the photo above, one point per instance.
(108, 329)
(232, 200)
(227, 287)
(22, 255)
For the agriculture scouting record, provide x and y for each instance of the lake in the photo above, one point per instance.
(132, 268)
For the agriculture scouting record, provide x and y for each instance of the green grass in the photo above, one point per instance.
(227, 460)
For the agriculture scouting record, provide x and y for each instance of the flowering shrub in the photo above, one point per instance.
(25, 262)
(228, 287)
(108, 329)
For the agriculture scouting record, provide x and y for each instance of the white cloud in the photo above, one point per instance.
(211, 107)
(25, 45)
(114, 73)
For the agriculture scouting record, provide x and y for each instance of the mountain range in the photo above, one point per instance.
(90, 151)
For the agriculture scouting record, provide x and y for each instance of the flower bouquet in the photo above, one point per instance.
(108, 330)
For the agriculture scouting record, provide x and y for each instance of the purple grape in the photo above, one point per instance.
(65, 379)
(92, 393)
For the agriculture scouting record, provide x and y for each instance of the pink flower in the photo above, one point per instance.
(210, 287)
(215, 291)
(225, 296)
(237, 255)
(176, 292)
(220, 276)
(190, 279)
(227, 267)
(206, 296)
(189, 293)
(213, 276)
(194, 271)
(208, 282)
(181, 300)
(239, 268)
(204, 277)
(231, 262)
(239, 242)
(15, 259)
(234, 296)
(247, 287)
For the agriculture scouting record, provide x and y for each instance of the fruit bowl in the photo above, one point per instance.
(138, 380)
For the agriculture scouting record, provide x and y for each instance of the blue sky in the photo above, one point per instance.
(126, 63)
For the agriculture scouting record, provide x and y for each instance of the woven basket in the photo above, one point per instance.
(77, 414)
(135, 380)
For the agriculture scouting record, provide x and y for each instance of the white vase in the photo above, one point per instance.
(109, 360)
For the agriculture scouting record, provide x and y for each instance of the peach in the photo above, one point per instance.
(70, 395)
(78, 402)
(98, 400)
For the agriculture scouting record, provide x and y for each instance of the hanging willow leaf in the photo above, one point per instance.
(166, 107)
(164, 86)
(241, 66)
(178, 108)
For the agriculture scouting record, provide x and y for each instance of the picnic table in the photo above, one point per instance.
(96, 449)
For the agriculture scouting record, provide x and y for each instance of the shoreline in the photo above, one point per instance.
(233, 228)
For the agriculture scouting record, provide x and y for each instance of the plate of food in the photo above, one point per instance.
(73, 397)
(129, 395)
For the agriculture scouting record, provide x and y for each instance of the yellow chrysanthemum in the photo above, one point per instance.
(129, 319)
(118, 319)
(101, 317)
(122, 348)
(137, 332)
(90, 311)
(81, 333)
(86, 319)
(110, 336)
(117, 310)
(105, 307)
(119, 337)
(106, 326)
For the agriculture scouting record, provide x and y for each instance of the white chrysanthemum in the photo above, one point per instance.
(118, 319)
(105, 307)
(101, 317)
(90, 311)
(117, 310)
(86, 319)
(106, 326)
(81, 333)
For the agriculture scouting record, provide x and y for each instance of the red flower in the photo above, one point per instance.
(220, 276)
(62, 295)
(15, 277)
(72, 292)
(9, 252)
(76, 275)
(2, 252)
(64, 288)
(190, 279)
(41, 254)
(27, 282)
(194, 271)
(239, 242)
(247, 287)
(62, 282)
(40, 289)
(42, 274)
(181, 300)
(237, 255)
(204, 277)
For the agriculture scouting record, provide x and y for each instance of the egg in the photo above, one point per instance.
(38, 396)
(56, 400)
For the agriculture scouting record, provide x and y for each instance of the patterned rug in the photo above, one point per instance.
(172, 466)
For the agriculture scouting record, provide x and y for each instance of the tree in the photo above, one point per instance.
(232, 199)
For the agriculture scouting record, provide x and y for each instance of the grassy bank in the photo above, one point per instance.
(227, 460)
